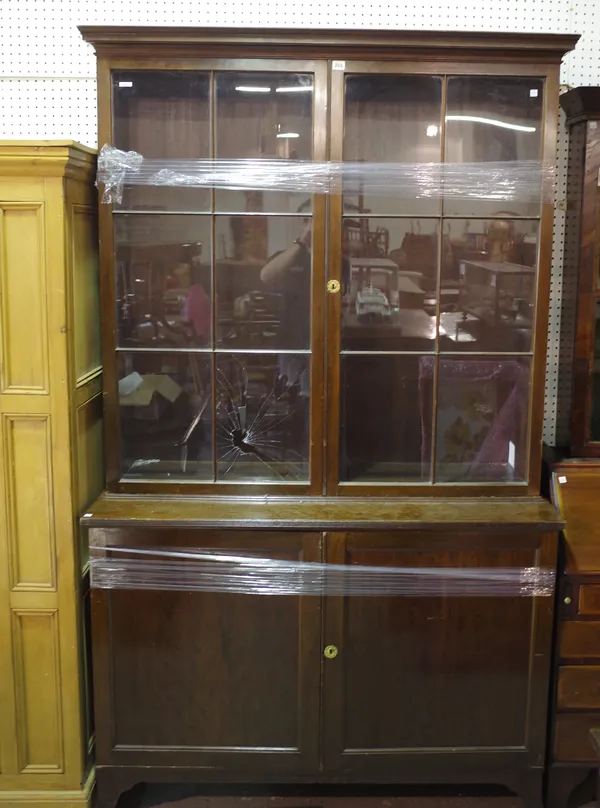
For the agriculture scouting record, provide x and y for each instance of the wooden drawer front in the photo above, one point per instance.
(580, 639)
(572, 737)
(589, 599)
(579, 687)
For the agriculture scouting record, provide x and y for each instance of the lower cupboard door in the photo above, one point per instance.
(225, 682)
(436, 688)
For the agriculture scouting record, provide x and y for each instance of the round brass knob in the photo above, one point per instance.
(331, 652)
(333, 287)
(567, 600)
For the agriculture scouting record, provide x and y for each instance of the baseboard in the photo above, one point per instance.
(51, 799)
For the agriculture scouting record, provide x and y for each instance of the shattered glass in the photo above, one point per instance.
(262, 417)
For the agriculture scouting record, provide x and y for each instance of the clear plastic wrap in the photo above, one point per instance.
(525, 181)
(209, 571)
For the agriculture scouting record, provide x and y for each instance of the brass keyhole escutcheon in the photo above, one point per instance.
(331, 652)
(333, 287)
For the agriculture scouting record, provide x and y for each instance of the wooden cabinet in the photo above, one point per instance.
(228, 362)
(350, 372)
(319, 688)
(409, 666)
(576, 692)
(50, 468)
(208, 679)
(582, 262)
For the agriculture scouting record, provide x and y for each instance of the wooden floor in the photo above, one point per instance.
(401, 802)
(184, 797)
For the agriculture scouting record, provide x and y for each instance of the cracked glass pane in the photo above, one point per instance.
(262, 415)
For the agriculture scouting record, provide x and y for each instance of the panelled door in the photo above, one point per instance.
(422, 683)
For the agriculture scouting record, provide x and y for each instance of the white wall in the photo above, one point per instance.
(47, 87)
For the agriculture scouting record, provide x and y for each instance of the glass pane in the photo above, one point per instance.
(595, 382)
(390, 277)
(165, 411)
(263, 282)
(489, 285)
(163, 280)
(165, 115)
(386, 415)
(493, 119)
(263, 417)
(482, 412)
(391, 119)
(268, 115)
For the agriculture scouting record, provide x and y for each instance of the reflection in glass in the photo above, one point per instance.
(165, 412)
(482, 415)
(595, 392)
(391, 118)
(263, 282)
(385, 416)
(263, 115)
(489, 285)
(163, 280)
(263, 417)
(166, 115)
(492, 119)
(390, 279)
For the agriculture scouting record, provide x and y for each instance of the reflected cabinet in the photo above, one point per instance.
(401, 325)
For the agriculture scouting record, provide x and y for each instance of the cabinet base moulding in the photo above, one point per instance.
(65, 798)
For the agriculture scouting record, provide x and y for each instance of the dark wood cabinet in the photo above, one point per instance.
(214, 686)
(209, 679)
(582, 262)
(347, 375)
(576, 702)
(240, 323)
(411, 669)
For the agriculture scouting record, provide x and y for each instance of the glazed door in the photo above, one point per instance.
(423, 688)
(437, 279)
(217, 295)
(222, 681)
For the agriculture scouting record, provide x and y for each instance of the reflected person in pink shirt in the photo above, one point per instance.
(196, 311)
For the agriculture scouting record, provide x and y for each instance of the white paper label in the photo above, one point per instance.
(86, 515)
(511, 454)
(338, 66)
(562, 480)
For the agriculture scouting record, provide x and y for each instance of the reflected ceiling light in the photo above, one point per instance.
(299, 89)
(125, 84)
(248, 88)
(432, 130)
(491, 121)
(288, 134)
